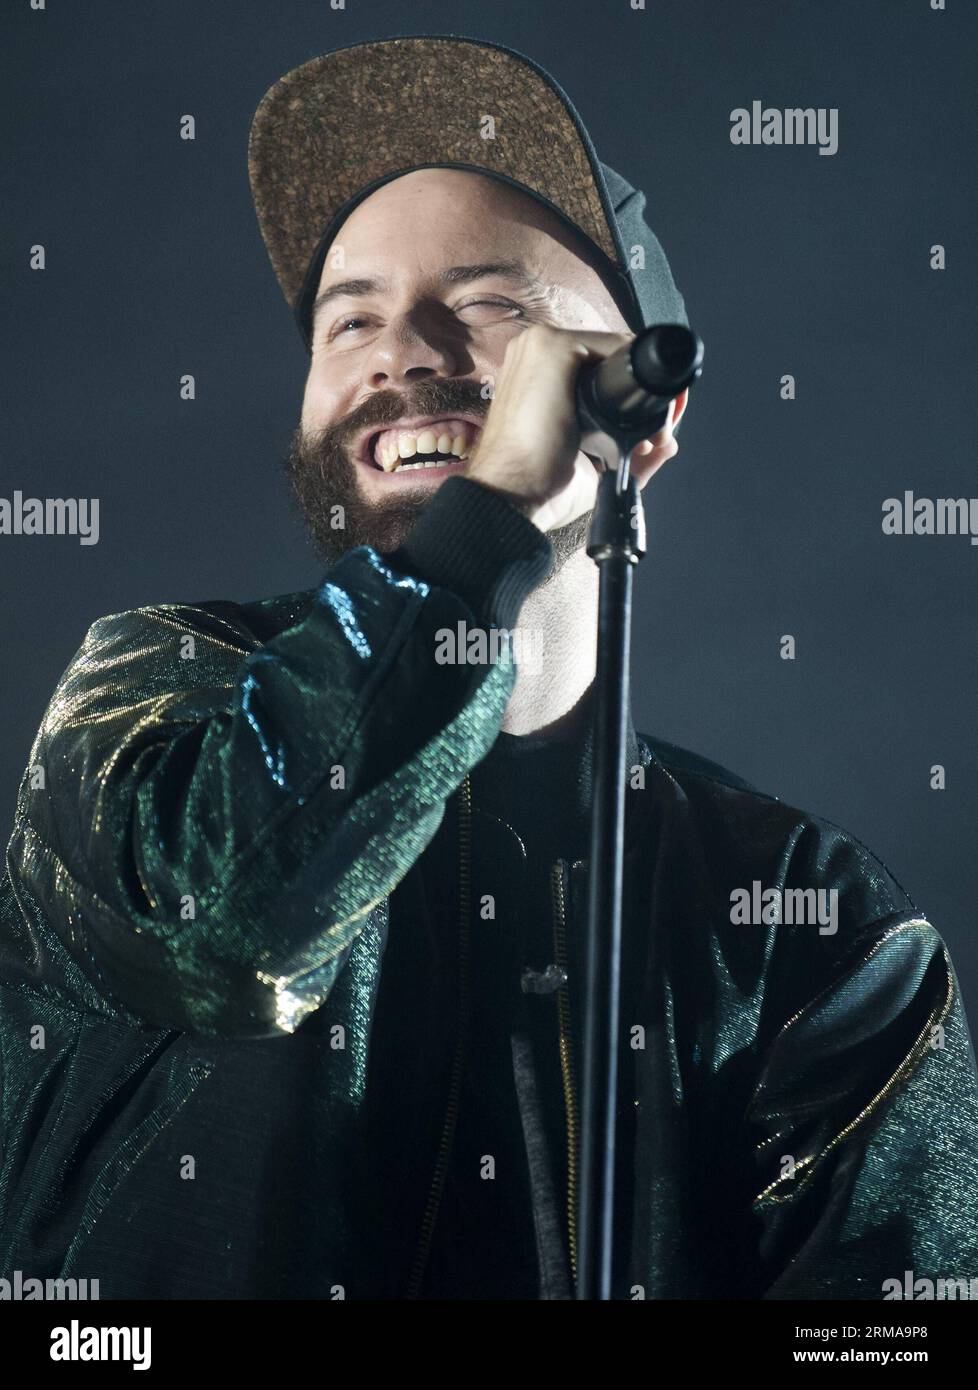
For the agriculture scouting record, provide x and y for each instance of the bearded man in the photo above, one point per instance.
(291, 934)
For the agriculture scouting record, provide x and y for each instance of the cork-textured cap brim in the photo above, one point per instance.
(354, 118)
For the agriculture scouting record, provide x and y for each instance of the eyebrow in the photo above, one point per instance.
(455, 275)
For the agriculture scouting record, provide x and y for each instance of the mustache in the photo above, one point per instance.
(433, 396)
(322, 473)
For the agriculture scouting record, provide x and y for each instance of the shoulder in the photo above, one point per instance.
(787, 915)
(245, 625)
(162, 656)
(684, 762)
(746, 835)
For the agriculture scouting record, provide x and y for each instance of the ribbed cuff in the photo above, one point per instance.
(474, 543)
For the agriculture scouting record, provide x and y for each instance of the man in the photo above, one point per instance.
(292, 924)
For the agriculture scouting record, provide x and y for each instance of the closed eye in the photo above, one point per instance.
(510, 311)
(513, 310)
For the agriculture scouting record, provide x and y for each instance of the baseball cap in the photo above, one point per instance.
(333, 130)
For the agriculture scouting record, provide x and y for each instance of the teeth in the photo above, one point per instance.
(427, 463)
(393, 451)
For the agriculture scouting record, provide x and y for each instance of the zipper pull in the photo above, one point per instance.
(546, 981)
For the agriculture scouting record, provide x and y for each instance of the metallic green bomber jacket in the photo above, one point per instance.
(220, 803)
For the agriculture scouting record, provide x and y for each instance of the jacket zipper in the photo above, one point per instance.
(458, 1062)
(567, 1061)
(566, 1048)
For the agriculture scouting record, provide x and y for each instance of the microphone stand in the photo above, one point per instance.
(615, 415)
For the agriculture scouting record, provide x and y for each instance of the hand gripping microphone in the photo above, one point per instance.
(626, 397)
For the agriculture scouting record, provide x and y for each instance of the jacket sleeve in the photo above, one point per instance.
(208, 820)
(865, 1122)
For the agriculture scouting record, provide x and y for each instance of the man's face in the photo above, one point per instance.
(428, 280)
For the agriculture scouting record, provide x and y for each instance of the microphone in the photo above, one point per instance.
(626, 397)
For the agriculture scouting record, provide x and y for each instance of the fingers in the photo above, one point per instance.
(585, 343)
(646, 462)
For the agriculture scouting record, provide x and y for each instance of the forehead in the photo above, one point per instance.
(429, 217)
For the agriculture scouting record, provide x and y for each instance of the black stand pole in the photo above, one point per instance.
(615, 546)
(665, 360)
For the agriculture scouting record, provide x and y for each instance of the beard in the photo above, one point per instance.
(323, 476)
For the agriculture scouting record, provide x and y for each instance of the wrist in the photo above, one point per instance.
(526, 506)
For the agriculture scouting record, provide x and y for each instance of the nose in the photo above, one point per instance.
(408, 351)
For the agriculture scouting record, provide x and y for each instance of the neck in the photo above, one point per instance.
(559, 624)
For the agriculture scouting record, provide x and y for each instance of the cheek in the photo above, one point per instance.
(326, 397)
(488, 349)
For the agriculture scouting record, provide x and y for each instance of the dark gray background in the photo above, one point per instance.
(769, 520)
